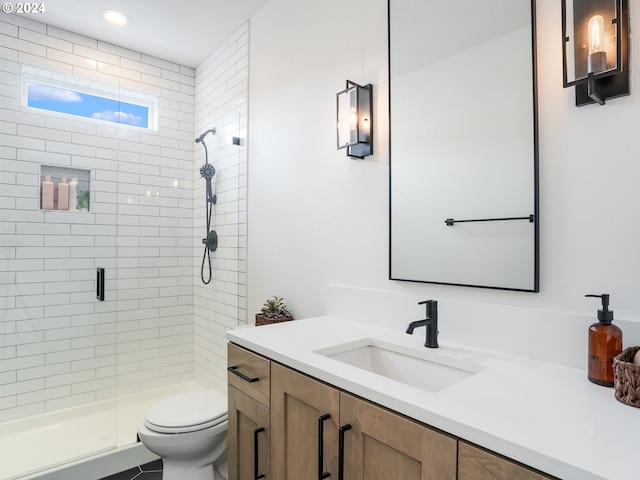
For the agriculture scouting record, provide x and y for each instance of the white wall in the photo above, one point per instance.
(317, 217)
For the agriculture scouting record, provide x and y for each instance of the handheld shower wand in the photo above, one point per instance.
(210, 242)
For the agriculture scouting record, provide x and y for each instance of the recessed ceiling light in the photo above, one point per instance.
(115, 18)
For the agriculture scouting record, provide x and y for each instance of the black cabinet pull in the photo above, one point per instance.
(341, 431)
(321, 473)
(256, 475)
(235, 371)
(100, 284)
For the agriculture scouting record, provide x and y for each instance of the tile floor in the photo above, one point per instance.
(153, 471)
(150, 471)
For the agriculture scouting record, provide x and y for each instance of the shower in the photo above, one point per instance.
(78, 373)
(210, 242)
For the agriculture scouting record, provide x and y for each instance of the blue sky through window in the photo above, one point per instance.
(63, 100)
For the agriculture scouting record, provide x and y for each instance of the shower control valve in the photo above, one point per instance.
(211, 241)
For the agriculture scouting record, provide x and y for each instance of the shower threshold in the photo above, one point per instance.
(41, 445)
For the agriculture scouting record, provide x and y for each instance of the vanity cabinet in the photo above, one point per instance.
(249, 417)
(478, 464)
(285, 425)
(249, 437)
(311, 420)
(304, 426)
(382, 445)
(250, 373)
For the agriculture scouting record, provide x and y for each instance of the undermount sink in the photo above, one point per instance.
(422, 369)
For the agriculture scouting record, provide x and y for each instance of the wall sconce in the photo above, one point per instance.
(595, 56)
(355, 120)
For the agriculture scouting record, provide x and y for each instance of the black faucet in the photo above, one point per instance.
(431, 322)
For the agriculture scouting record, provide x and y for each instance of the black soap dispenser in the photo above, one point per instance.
(605, 342)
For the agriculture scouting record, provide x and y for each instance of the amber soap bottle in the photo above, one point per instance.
(605, 342)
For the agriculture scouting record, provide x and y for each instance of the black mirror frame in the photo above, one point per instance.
(536, 177)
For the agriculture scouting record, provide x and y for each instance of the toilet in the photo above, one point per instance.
(189, 432)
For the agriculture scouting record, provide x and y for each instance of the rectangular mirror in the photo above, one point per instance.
(463, 143)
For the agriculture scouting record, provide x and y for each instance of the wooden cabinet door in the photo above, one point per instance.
(298, 405)
(478, 464)
(249, 421)
(382, 445)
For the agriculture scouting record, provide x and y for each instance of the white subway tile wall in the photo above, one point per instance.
(221, 96)
(59, 346)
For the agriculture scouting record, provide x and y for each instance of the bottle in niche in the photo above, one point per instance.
(73, 194)
(605, 342)
(47, 193)
(83, 201)
(63, 194)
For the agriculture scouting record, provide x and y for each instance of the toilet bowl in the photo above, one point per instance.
(189, 432)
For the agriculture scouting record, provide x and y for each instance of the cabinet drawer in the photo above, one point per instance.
(250, 373)
(477, 464)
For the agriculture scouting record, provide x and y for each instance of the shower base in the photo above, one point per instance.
(88, 441)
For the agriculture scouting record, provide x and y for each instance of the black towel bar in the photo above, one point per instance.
(451, 221)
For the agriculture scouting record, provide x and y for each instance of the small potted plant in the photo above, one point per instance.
(274, 310)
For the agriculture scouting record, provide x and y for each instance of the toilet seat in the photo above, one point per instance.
(187, 412)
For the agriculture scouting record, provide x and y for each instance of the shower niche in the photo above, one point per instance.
(64, 189)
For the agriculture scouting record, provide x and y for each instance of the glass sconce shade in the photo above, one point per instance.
(595, 49)
(355, 119)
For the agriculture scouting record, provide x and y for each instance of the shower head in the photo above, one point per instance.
(207, 171)
(201, 137)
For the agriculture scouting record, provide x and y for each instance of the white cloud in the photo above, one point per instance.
(118, 117)
(41, 92)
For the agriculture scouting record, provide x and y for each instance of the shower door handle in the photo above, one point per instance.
(100, 284)
(256, 475)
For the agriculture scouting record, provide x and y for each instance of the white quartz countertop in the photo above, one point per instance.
(542, 414)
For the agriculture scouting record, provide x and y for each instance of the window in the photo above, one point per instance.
(67, 95)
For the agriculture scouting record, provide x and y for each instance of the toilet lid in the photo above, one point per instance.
(187, 412)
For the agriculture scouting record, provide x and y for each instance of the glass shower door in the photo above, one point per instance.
(154, 279)
(57, 340)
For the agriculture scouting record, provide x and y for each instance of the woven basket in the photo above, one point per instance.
(626, 377)
(262, 320)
